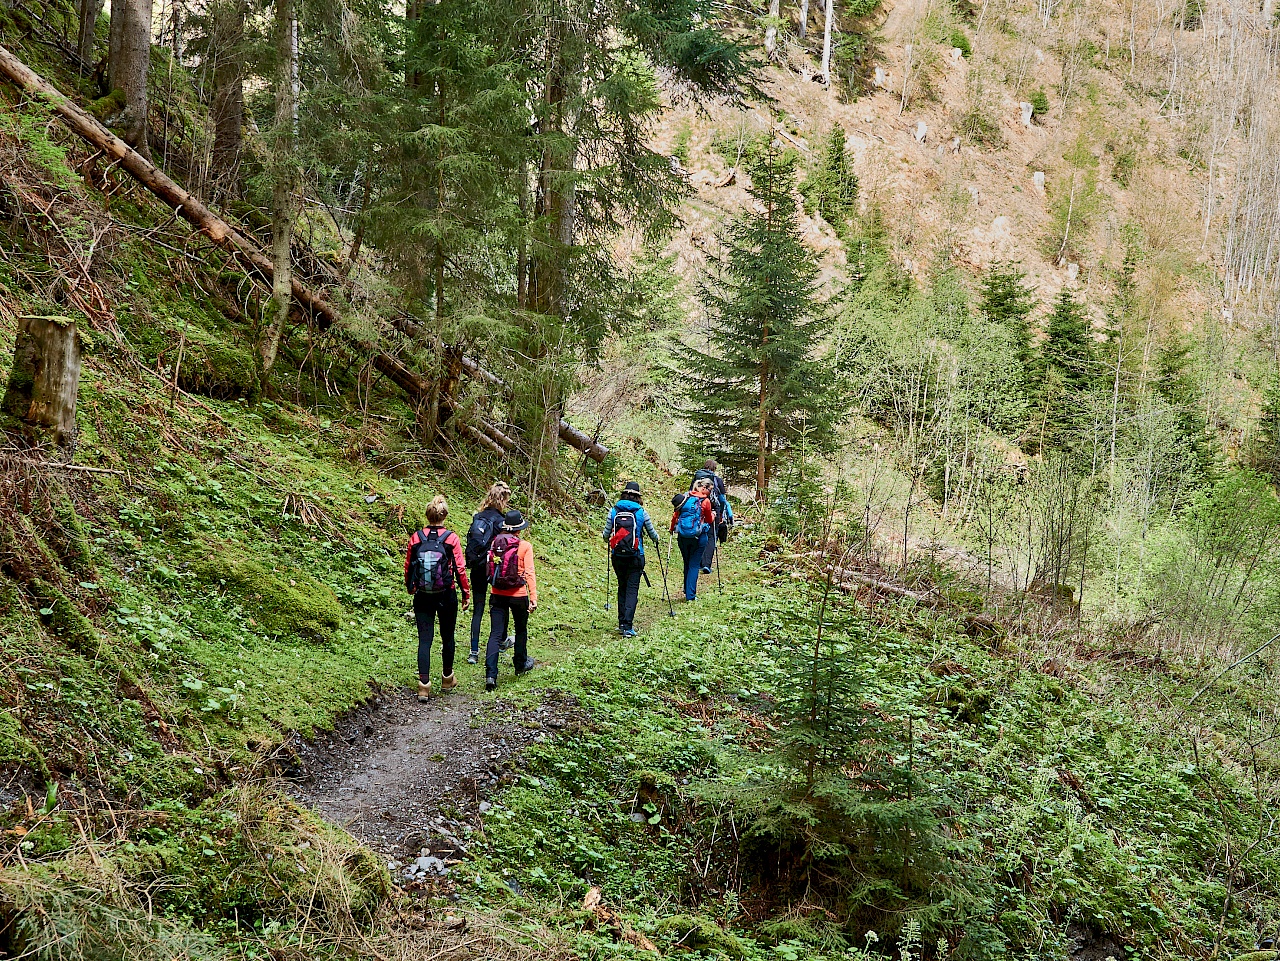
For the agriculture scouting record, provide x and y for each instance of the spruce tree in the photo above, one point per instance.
(1069, 369)
(831, 188)
(753, 381)
(1069, 347)
(1005, 300)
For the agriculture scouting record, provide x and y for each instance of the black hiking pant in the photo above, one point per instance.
(629, 571)
(427, 606)
(479, 591)
(500, 606)
(709, 552)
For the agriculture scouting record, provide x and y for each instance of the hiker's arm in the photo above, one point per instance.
(526, 571)
(407, 554)
(650, 529)
(608, 525)
(460, 565)
(728, 509)
(708, 514)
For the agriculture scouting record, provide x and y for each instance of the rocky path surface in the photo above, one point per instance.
(411, 780)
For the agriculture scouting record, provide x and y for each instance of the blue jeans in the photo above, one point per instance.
(692, 550)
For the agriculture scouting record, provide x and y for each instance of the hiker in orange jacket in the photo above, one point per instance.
(513, 592)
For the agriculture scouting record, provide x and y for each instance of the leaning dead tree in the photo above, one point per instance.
(259, 265)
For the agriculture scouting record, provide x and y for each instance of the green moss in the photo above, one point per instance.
(69, 538)
(288, 602)
(693, 932)
(64, 619)
(15, 747)
(217, 370)
(104, 107)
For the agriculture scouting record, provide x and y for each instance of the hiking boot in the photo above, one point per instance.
(424, 692)
(507, 644)
(448, 682)
(705, 570)
(529, 665)
(473, 658)
(490, 683)
(629, 633)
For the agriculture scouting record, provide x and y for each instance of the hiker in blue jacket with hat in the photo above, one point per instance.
(624, 531)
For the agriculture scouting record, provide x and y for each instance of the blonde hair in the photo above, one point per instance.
(437, 511)
(498, 498)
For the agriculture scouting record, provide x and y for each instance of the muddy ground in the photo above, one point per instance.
(411, 780)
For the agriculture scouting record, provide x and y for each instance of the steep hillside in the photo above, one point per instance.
(210, 746)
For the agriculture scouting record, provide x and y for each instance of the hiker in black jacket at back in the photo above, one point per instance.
(721, 508)
(485, 525)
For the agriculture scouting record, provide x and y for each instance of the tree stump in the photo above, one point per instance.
(45, 379)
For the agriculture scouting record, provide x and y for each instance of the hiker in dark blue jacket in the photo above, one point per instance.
(720, 506)
(624, 532)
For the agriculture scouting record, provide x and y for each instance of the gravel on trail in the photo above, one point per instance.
(412, 780)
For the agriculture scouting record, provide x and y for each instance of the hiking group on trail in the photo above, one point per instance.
(497, 564)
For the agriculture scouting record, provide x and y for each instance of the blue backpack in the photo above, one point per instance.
(691, 523)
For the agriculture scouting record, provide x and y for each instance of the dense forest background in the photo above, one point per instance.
(976, 302)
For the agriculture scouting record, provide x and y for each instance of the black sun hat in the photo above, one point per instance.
(514, 521)
(630, 487)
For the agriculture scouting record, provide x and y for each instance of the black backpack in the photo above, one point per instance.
(431, 567)
(484, 527)
(624, 543)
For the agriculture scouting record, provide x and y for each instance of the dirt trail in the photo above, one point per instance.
(409, 779)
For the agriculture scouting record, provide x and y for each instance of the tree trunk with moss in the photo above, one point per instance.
(45, 379)
(282, 191)
(129, 59)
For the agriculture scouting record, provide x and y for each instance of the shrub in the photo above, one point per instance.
(960, 41)
(1039, 101)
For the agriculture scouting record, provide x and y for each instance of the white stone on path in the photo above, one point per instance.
(922, 131)
(1027, 111)
(881, 78)
(956, 54)
(955, 144)
(1038, 179)
(1073, 271)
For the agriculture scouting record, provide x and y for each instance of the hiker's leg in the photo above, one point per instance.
(709, 552)
(497, 633)
(627, 605)
(691, 553)
(520, 614)
(448, 623)
(701, 553)
(424, 616)
(479, 590)
(620, 568)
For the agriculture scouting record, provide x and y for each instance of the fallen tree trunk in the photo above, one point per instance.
(568, 433)
(245, 250)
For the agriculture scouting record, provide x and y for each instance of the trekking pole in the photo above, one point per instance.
(666, 591)
(606, 578)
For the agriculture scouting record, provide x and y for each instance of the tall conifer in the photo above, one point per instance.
(753, 382)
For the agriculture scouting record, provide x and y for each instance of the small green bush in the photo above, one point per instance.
(1039, 101)
(960, 41)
